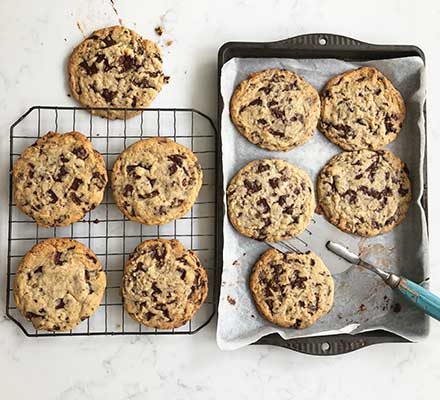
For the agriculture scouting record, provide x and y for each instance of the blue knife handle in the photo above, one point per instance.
(428, 302)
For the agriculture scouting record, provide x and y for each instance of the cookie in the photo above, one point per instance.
(270, 200)
(58, 179)
(291, 290)
(115, 67)
(365, 192)
(275, 109)
(156, 181)
(59, 283)
(163, 284)
(361, 109)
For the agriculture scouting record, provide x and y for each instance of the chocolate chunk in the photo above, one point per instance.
(62, 172)
(76, 184)
(274, 182)
(297, 324)
(80, 152)
(262, 121)
(256, 102)
(90, 69)
(61, 304)
(150, 195)
(265, 89)
(262, 167)
(63, 158)
(99, 180)
(108, 95)
(30, 315)
(402, 191)
(252, 187)
(351, 194)
(38, 270)
(108, 40)
(127, 62)
(172, 169)
(128, 190)
(144, 84)
(177, 159)
(53, 196)
(277, 113)
(264, 204)
(282, 199)
(57, 258)
(276, 133)
(182, 273)
(75, 199)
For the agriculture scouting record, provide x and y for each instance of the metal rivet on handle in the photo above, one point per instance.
(325, 347)
(322, 41)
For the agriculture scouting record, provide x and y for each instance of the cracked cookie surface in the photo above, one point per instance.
(59, 283)
(163, 284)
(291, 290)
(156, 180)
(361, 109)
(275, 109)
(59, 179)
(270, 200)
(115, 67)
(365, 192)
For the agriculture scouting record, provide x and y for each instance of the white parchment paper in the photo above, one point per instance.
(362, 301)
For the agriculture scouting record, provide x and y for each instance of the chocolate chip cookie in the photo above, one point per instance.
(163, 284)
(58, 179)
(270, 200)
(291, 290)
(156, 181)
(59, 283)
(361, 109)
(275, 109)
(115, 67)
(365, 192)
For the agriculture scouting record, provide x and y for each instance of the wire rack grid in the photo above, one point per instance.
(105, 229)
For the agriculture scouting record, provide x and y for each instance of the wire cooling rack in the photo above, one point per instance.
(105, 229)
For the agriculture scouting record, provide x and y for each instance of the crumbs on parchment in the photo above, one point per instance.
(159, 30)
(231, 300)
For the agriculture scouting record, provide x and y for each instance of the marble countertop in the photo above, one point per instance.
(36, 39)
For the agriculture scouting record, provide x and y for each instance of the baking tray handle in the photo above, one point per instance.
(321, 40)
(331, 345)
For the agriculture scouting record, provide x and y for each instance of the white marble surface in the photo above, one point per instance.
(35, 39)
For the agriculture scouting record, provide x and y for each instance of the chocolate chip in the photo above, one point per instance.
(62, 172)
(61, 304)
(297, 117)
(76, 184)
(282, 199)
(99, 180)
(38, 270)
(108, 40)
(276, 133)
(30, 315)
(108, 95)
(75, 199)
(182, 273)
(144, 84)
(252, 187)
(80, 152)
(128, 190)
(172, 169)
(297, 324)
(150, 195)
(402, 191)
(262, 121)
(351, 194)
(256, 102)
(264, 204)
(263, 167)
(57, 258)
(265, 89)
(90, 69)
(93, 258)
(53, 196)
(127, 62)
(277, 113)
(155, 288)
(274, 182)
(63, 158)
(301, 304)
(148, 315)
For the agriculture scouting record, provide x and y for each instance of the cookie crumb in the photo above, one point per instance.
(166, 79)
(169, 42)
(362, 307)
(252, 316)
(231, 300)
(65, 39)
(236, 263)
(396, 307)
(69, 95)
(159, 30)
(96, 221)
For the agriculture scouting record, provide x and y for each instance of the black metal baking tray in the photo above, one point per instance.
(318, 45)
